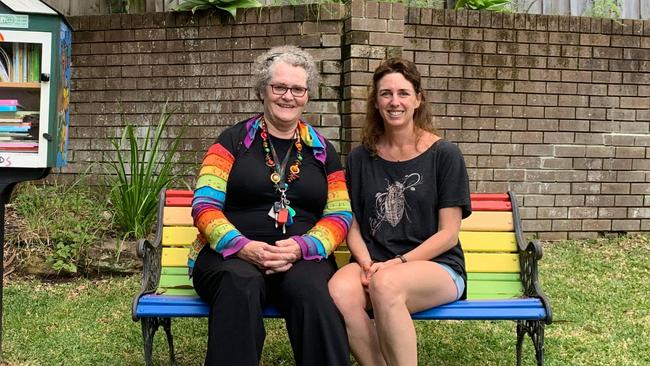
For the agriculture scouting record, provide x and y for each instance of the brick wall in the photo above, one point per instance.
(554, 108)
(127, 66)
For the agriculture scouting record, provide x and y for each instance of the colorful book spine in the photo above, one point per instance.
(15, 128)
(8, 108)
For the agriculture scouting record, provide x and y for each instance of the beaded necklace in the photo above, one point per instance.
(281, 212)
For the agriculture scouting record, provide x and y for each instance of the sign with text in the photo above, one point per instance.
(14, 21)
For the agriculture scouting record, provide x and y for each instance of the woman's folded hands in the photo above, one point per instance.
(271, 258)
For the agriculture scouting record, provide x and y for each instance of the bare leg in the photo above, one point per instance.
(352, 300)
(397, 291)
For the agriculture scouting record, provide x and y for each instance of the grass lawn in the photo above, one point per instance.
(598, 290)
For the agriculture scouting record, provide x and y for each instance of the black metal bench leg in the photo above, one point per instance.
(149, 328)
(534, 328)
(521, 332)
(167, 326)
(538, 340)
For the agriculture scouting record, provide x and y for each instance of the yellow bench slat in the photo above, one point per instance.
(342, 257)
(174, 257)
(491, 262)
(481, 241)
(178, 235)
(488, 221)
(177, 257)
(177, 216)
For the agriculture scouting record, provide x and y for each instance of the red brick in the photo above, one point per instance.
(557, 163)
(562, 63)
(560, 88)
(594, 40)
(542, 99)
(596, 225)
(563, 38)
(585, 188)
(626, 225)
(512, 124)
(547, 75)
(608, 77)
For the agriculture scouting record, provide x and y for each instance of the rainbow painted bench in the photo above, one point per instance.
(502, 273)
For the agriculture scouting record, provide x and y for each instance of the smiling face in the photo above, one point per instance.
(396, 100)
(283, 111)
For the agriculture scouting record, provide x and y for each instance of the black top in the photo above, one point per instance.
(397, 203)
(250, 192)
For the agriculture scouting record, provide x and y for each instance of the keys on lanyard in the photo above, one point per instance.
(281, 212)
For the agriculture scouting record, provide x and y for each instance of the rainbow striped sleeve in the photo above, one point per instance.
(207, 206)
(331, 229)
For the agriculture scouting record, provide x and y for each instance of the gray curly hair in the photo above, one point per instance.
(292, 55)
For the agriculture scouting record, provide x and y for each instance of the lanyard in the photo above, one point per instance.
(280, 175)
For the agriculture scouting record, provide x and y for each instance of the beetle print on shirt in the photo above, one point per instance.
(391, 205)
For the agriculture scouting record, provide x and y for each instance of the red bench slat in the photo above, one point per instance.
(480, 201)
(490, 197)
(491, 206)
(178, 201)
(179, 193)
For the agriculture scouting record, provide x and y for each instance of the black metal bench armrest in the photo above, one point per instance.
(529, 254)
(151, 267)
(151, 255)
(530, 275)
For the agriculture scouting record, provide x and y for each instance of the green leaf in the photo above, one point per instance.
(229, 6)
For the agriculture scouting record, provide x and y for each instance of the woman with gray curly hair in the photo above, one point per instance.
(271, 205)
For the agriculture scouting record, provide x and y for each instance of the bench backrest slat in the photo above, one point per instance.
(487, 236)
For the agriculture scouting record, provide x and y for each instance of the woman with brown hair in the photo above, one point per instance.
(409, 190)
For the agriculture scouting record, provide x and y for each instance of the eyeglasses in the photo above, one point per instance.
(296, 91)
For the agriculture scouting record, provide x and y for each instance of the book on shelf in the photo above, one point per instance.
(8, 108)
(19, 146)
(34, 67)
(16, 114)
(5, 66)
(14, 128)
(9, 102)
(14, 122)
(16, 137)
(20, 62)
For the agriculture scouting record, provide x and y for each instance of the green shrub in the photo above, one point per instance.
(230, 6)
(605, 9)
(142, 169)
(60, 222)
(494, 5)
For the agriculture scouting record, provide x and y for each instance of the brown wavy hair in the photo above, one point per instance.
(373, 128)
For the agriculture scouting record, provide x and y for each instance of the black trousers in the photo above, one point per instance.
(237, 291)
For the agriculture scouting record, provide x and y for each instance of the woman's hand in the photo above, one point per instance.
(365, 268)
(290, 246)
(290, 252)
(373, 267)
(265, 256)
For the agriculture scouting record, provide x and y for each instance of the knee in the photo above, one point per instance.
(345, 294)
(243, 286)
(384, 290)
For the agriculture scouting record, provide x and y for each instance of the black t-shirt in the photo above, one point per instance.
(397, 203)
(250, 192)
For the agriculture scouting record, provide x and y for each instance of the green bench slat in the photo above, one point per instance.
(174, 281)
(177, 292)
(174, 271)
(478, 276)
